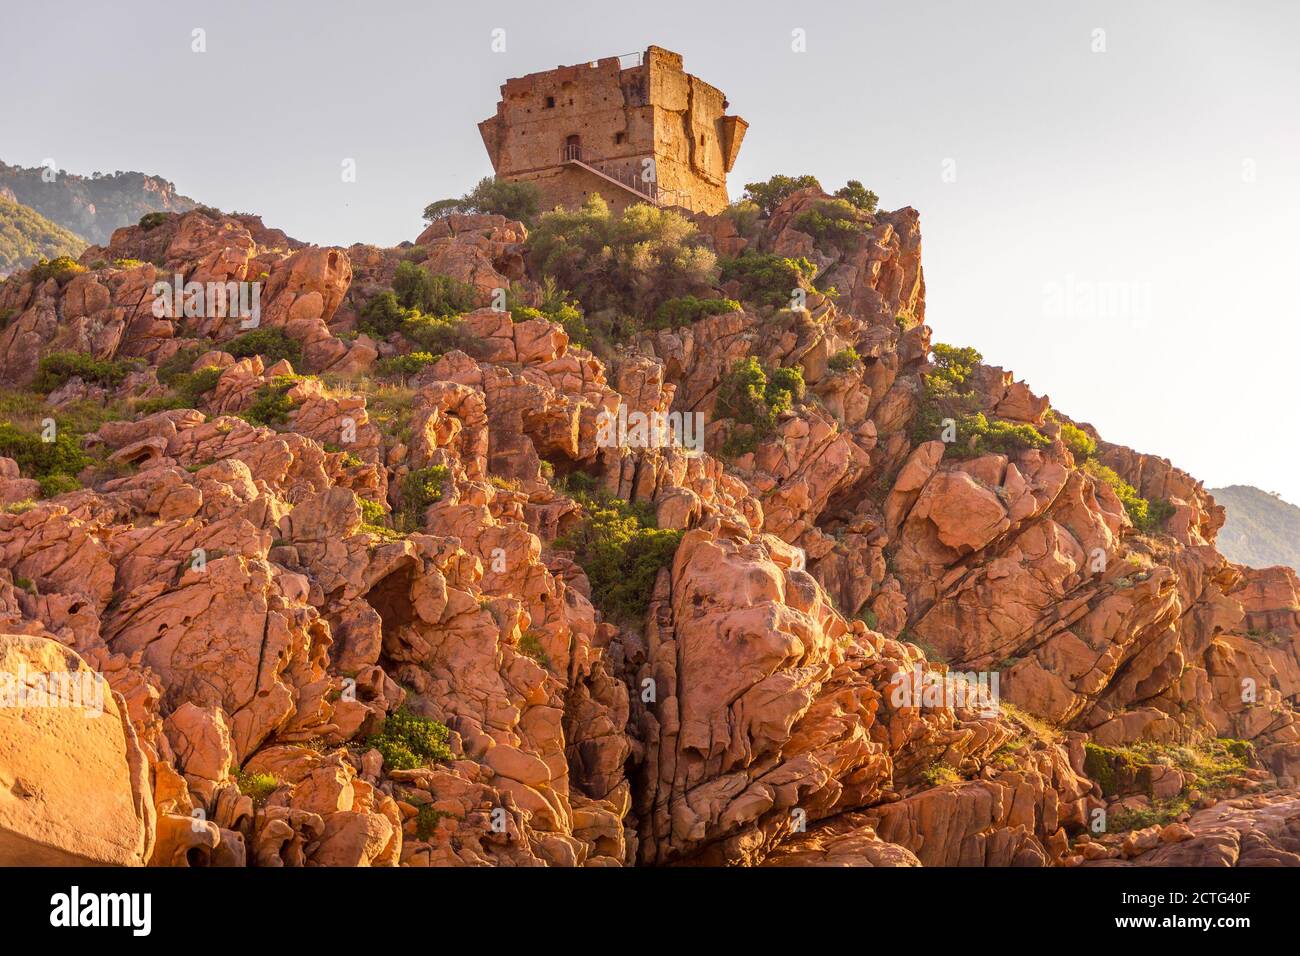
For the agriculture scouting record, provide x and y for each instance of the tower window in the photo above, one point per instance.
(618, 139)
(550, 102)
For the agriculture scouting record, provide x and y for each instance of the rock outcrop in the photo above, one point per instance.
(344, 621)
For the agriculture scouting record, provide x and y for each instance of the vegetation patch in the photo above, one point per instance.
(58, 368)
(621, 268)
(768, 280)
(770, 194)
(407, 741)
(514, 200)
(845, 359)
(61, 268)
(1140, 511)
(404, 366)
(835, 222)
(940, 775)
(432, 294)
(271, 402)
(272, 344)
(557, 307)
(426, 820)
(687, 309)
(420, 488)
(434, 333)
(755, 398)
(530, 645)
(54, 464)
(1210, 765)
(621, 549)
(947, 396)
(258, 786)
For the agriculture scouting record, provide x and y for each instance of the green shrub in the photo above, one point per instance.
(434, 334)
(1210, 766)
(383, 315)
(272, 344)
(196, 384)
(40, 459)
(437, 295)
(770, 194)
(152, 220)
(945, 396)
(687, 309)
(178, 364)
(57, 484)
(1138, 508)
(437, 336)
(844, 359)
(833, 221)
(983, 435)
(558, 307)
(767, 279)
(1159, 510)
(57, 368)
(744, 215)
(530, 645)
(754, 396)
(420, 488)
(402, 366)
(859, 195)
(1082, 445)
(374, 517)
(620, 548)
(940, 775)
(258, 786)
(514, 200)
(271, 402)
(952, 366)
(1104, 764)
(621, 267)
(426, 821)
(60, 268)
(407, 741)
(1159, 813)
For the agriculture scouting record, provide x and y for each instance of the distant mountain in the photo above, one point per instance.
(1261, 529)
(26, 236)
(92, 206)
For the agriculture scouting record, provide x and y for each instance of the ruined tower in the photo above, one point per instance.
(635, 128)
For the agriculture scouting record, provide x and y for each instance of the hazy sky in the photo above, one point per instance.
(1122, 230)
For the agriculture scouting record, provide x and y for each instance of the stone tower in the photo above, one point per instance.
(635, 128)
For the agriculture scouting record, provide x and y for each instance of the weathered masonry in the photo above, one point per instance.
(635, 128)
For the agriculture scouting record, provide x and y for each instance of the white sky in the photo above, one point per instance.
(1164, 171)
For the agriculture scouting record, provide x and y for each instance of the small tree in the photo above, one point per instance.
(859, 195)
(770, 194)
(514, 200)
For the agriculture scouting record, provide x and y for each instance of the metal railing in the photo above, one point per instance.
(632, 180)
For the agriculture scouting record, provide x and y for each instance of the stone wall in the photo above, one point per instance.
(617, 117)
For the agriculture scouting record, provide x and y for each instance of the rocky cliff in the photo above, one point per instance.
(354, 600)
(91, 206)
